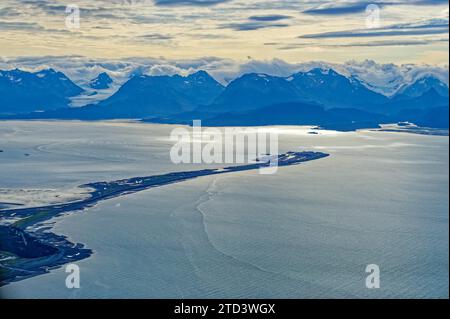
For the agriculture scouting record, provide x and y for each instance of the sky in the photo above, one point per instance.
(295, 31)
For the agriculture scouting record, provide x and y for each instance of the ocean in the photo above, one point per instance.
(308, 231)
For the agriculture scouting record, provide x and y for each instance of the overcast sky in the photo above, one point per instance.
(408, 31)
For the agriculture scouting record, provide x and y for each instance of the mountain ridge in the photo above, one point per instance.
(22, 91)
(175, 97)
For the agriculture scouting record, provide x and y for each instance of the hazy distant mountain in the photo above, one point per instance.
(146, 96)
(317, 97)
(424, 85)
(429, 109)
(384, 78)
(427, 100)
(22, 91)
(251, 91)
(436, 117)
(159, 95)
(331, 89)
(324, 87)
(299, 113)
(101, 82)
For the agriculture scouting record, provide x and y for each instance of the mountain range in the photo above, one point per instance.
(161, 95)
(424, 84)
(319, 97)
(324, 87)
(22, 91)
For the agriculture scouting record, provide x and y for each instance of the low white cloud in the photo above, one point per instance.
(383, 78)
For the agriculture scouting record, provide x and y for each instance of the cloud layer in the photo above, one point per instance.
(232, 29)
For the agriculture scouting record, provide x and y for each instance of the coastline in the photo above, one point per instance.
(51, 251)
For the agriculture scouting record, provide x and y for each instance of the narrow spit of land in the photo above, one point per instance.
(27, 251)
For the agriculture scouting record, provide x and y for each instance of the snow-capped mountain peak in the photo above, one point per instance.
(101, 82)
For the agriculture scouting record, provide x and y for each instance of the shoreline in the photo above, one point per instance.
(50, 251)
